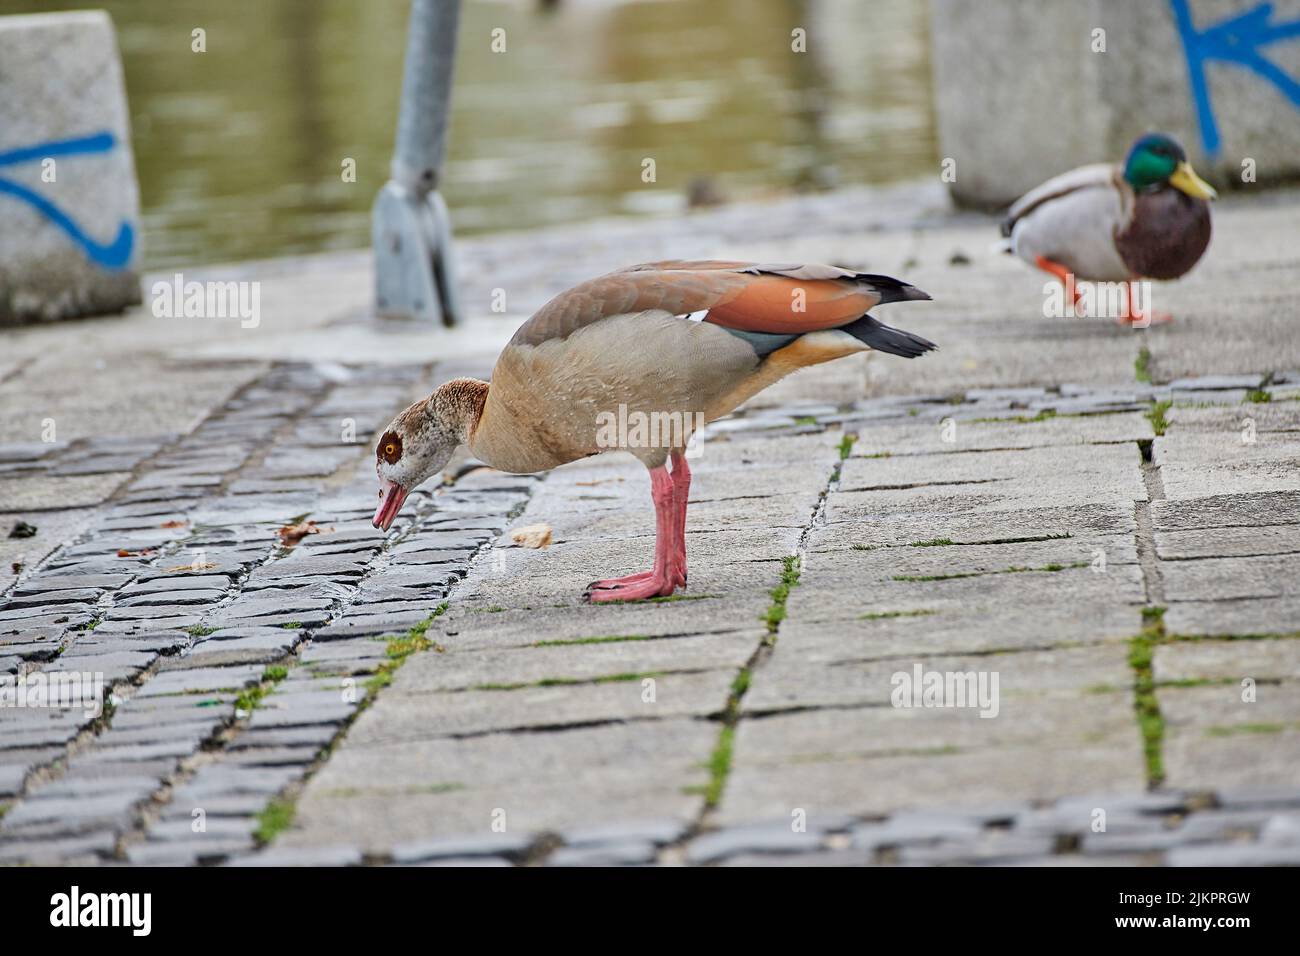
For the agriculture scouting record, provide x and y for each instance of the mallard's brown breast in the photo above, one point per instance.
(1167, 234)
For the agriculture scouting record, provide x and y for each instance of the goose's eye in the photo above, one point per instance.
(390, 447)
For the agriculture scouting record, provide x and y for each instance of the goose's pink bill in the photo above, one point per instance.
(391, 498)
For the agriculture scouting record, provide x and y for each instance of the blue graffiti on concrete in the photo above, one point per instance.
(1235, 40)
(114, 255)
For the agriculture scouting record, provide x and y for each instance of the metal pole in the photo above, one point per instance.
(415, 275)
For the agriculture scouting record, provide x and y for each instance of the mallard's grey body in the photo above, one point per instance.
(1091, 221)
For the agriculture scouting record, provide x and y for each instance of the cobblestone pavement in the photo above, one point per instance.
(1106, 520)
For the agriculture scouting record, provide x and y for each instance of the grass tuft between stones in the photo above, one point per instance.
(1142, 365)
(1156, 415)
(250, 698)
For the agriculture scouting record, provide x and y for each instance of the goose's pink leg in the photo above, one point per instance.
(661, 580)
(681, 492)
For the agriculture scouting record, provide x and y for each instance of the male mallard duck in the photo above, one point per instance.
(1145, 219)
(679, 343)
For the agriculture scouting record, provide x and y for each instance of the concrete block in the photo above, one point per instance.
(1021, 93)
(69, 203)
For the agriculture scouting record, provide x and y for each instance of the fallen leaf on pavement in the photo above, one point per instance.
(291, 534)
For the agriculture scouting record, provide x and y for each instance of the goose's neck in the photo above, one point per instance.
(459, 405)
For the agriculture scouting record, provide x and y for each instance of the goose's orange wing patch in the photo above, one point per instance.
(778, 304)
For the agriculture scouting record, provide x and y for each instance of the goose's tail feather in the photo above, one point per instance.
(884, 338)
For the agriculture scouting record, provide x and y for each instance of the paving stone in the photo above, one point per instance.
(186, 853)
(71, 811)
(913, 827)
(656, 832)
(254, 649)
(219, 781)
(326, 708)
(216, 828)
(823, 858)
(778, 837)
(1234, 855)
(300, 757)
(990, 847)
(50, 598)
(171, 599)
(624, 853)
(11, 778)
(185, 802)
(201, 679)
(1275, 797)
(47, 852)
(316, 736)
(287, 856)
(485, 845)
(368, 625)
(472, 861)
(1216, 382)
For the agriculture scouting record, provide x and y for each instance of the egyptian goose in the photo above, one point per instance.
(1145, 218)
(691, 339)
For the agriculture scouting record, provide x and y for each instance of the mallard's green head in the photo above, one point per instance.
(1156, 159)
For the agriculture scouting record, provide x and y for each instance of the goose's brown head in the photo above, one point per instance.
(414, 447)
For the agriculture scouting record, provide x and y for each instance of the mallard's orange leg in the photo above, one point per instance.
(1140, 319)
(1064, 275)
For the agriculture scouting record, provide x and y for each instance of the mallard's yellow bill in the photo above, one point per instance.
(1186, 180)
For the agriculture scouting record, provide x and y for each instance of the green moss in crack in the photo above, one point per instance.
(890, 615)
(1151, 723)
(610, 639)
(398, 649)
(671, 598)
(719, 768)
(790, 571)
(846, 445)
(199, 630)
(1233, 730)
(274, 818)
(570, 681)
(1018, 569)
(933, 543)
(1042, 416)
(1258, 396)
